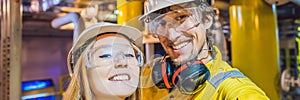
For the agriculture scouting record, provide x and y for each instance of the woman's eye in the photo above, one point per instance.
(105, 56)
(129, 55)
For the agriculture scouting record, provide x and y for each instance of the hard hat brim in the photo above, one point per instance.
(162, 4)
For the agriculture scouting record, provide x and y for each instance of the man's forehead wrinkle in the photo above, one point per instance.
(176, 7)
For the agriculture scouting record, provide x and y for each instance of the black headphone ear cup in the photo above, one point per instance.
(157, 75)
(189, 79)
(161, 74)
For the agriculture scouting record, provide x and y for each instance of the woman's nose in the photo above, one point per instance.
(120, 61)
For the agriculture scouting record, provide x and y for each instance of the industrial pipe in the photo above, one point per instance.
(71, 17)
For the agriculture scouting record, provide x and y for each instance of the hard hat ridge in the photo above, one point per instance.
(151, 6)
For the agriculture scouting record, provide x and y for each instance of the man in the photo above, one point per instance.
(193, 67)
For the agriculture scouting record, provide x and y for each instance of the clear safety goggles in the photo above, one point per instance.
(181, 20)
(99, 57)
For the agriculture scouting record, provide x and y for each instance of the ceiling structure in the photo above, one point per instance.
(39, 13)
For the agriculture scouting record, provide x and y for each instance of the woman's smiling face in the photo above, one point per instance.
(114, 68)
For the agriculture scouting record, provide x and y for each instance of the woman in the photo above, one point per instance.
(106, 60)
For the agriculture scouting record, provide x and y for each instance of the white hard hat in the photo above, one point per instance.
(151, 6)
(132, 33)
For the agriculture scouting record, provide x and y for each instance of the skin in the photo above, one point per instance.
(114, 73)
(181, 40)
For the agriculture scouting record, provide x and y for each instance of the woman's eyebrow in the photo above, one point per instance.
(109, 46)
(94, 49)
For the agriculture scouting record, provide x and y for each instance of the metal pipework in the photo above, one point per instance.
(72, 17)
(288, 81)
(296, 1)
(129, 11)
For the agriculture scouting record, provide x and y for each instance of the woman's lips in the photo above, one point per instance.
(119, 77)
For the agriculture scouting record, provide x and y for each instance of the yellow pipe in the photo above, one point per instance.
(254, 38)
(298, 56)
(129, 11)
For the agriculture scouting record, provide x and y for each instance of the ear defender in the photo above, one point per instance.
(188, 78)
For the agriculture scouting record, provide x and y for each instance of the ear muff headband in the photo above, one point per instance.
(182, 68)
(177, 72)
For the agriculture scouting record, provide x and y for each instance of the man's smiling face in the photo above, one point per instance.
(181, 37)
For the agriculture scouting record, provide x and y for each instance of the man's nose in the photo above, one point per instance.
(173, 34)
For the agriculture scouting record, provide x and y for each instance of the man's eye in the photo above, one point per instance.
(129, 55)
(181, 17)
(162, 23)
(105, 56)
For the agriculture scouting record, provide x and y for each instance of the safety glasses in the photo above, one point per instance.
(180, 20)
(107, 56)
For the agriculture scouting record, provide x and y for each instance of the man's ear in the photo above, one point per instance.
(207, 22)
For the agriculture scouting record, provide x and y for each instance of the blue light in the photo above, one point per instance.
(37, 84)
(41, 96)
(56, 2)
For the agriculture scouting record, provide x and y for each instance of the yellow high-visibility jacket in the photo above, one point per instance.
(225, 83)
